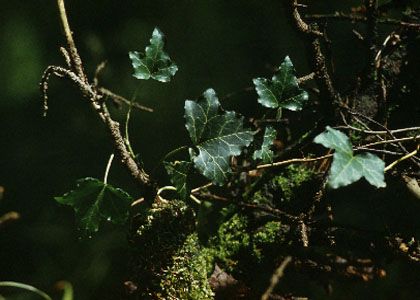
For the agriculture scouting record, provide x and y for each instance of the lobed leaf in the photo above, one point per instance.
(282, 91)
(216, 135)
(94, 201)
(178, 173)
(154, 63)
(265, 153)
(346, 167)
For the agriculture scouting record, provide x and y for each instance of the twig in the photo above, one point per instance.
(412, 138)
(292, 161)
(269, 210)
(120, 99)
(386, 129)
(74, 55)
(358, 18)
(379, 131)
(393, 164)
(305, 78)
(277, 275)
(380, 151)
(197, 189)
(96, 99)
(300, 24)
(328, 93)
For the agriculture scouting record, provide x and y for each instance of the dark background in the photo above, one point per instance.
(218, 44)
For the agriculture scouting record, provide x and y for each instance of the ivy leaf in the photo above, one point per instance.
(178, 172)
(335, 139)
(282, 91)
(155, 63)
(216, 135)
(94, 201)
(346, 167)
(265, 153)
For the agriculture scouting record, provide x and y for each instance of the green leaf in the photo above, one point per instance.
(336, 140)
(155, 63)
(178, 173)
(217, 136)
(346, 167)
(282, 91)
(265, 153)
(94, 202)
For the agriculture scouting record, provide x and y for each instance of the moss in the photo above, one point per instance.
(271, 234)
(232, 238)
(163, 230)
(292, 178)
(186, 277)
(172, 264)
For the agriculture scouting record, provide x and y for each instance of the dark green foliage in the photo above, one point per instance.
(95, 202)
(282, 91)
(347, 168)
(265, 154)
(216, 135)
(154, 63)
(178, 174)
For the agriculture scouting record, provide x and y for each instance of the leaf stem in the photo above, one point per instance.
(26, 287)
(108, 167)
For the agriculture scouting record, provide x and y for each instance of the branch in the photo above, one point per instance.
(322, 76)
(95, 97)
(74, 54)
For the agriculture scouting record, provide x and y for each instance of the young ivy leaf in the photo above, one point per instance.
(94, 201)
(265, 153)
(216, 135)
(282, 91)
(178, 173)
(155, 63)
(346, 167)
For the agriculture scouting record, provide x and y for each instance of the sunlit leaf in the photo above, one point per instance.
(178, 173)
(346, 167)
(283, 90)
(154, 63)
(94, 202)
(216, 135)
(265, 153)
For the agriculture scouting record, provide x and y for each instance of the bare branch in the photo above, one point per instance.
(74, 55)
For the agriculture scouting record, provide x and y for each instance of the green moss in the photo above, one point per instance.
(163, 230)
(267, 236)
(232, 238)
(186, 277)
(293, 177)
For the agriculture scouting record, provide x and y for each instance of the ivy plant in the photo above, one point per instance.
(94, 202)
(283, 90)
(346, 167)
(217, 135)
(154, 63)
